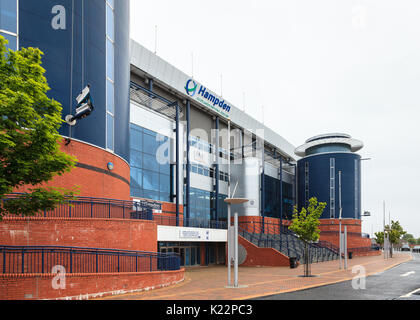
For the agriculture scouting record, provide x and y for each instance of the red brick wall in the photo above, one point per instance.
(92, 183)
(352, 241)
(267, 257)
(254, 224)
(353, 225)
(138, 235)
(168, 215)
(84, 286)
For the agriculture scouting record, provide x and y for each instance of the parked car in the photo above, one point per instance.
(405, 247)
(416, 249)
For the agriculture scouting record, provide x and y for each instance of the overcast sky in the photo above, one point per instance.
(314, 67)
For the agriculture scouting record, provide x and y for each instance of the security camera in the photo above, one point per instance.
(84, 107)
(84, 95)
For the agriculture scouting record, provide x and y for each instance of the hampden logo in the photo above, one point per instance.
(191, 88)
(207, 98)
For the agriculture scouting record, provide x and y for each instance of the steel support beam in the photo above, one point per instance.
(188, 167)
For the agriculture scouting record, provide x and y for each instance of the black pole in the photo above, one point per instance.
(151, 86)
(188, 178)
(296, 185)
(263, 189)
(281, 192)
(177, 163)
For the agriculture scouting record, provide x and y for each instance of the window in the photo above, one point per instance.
(273, 200)
(110, 131)
(110, 87)
(9, 22)
(306, 184)
(202, 206)
(150, 175)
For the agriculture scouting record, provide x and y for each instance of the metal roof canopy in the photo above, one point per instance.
(153, 101)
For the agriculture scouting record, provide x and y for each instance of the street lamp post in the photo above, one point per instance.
(340, 216)
(233, 237)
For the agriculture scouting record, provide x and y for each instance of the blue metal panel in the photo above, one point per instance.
(319, 182)
(76, 56)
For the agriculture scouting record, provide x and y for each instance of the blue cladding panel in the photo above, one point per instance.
(8, 15)
(86, 51)
(319, 182)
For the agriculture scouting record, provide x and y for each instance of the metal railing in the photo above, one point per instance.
(100, 208)
(42, 260)
(269, 228)
(353, 234)
(363, 249)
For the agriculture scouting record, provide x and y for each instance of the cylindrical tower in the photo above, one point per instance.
(84, 42)
(323, 158)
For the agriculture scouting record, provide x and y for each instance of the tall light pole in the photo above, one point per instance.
(385, 242)
(229, 205)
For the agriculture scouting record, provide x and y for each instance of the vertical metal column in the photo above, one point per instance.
(188, 173)
(296, 185)
(177, 163)
(281, 192)
(236, 251)
(229, 262)
(339, 205)
(345, 248)
(216, 172)
(263, 187)
(151, 85)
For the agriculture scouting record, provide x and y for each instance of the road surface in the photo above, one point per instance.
(399, 283)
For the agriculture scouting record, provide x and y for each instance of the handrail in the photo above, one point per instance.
(100, 208)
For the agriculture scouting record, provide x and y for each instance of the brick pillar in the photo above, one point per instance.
(203, 254)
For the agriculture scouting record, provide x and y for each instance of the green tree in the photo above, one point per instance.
(379, 237)
(306, 226)
(29, 140)
(409, 238)
(395, 233)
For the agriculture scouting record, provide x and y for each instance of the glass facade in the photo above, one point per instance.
(336, 147)
(150, 172)
(9, 22)
(110, 85)
(205, 146)
(208, 172)
(273, 199)
(356, 189)
(202, 205)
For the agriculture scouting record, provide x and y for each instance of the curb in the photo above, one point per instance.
(323, 284)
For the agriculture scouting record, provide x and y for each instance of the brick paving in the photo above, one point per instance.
(209, 283)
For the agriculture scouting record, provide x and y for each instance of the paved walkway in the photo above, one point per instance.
(208, 283)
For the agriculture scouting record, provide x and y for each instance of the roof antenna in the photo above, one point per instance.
(221, 85)
(262, 109)
(156, 34)
(192, 65)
